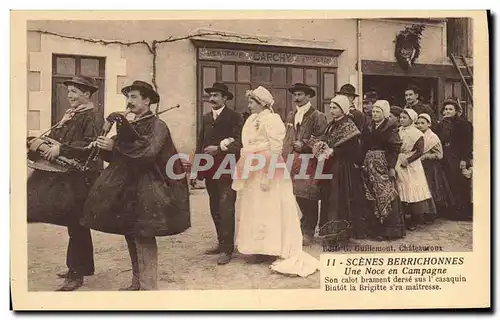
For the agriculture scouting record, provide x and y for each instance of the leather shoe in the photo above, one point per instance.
(66, 275)
(132, 287)
(71, 284)
(224, 258)
(213, 251)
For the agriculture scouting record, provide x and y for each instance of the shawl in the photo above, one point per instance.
(70, 113)
(340, 131)
(430, 140)
(336, 133)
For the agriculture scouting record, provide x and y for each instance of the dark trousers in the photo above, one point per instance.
(222, 203)
(80, 253)
(144, 258)
(309, 219)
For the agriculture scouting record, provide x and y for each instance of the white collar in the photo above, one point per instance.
(218, 111)
(301, 111)
(304, 108)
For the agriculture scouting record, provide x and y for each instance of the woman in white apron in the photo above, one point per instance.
(269, 221)
(433, 168)
(411, 180)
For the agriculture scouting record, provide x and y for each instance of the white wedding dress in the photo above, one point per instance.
(269, 221)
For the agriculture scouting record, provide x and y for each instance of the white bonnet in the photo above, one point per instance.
(262, 95)
(342, 102)
(384, 106)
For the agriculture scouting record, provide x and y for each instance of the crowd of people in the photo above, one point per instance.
(396, 168)
(392, 169)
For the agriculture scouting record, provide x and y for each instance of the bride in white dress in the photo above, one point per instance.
(269, 224)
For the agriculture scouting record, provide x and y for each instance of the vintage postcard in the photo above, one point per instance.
(246, 160)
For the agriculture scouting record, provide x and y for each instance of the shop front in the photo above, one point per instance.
(244, 67)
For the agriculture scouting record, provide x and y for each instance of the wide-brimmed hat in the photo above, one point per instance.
(304, 88)
(347, 90)
(222, 88)
(83, 81)
(145, 88)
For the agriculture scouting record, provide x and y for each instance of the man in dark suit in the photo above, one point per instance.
(218, 126)
(357, 116)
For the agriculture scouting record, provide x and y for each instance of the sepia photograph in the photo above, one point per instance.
(233, 154)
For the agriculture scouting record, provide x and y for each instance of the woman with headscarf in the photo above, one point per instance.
(456, 135)
(412, 183)
(269, 223)
(431, 161)
(381, 145)
(339, 145)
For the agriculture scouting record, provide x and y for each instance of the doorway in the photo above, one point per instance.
(392, 88)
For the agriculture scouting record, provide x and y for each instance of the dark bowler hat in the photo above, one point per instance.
(347, 90)
(370, 96)
(304, 88)
(83, 81)
(222, 88)
(145, 88)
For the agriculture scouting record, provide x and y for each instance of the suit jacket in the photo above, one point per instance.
(227, 125)
(358, 117)
(313, 124)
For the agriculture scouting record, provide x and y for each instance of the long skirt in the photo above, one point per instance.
(438, 184)
(386, 219)
(413, 189)
(460, 186)
(269, 224)
(342, 198)
(393, 226)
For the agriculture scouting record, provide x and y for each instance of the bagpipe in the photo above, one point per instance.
(124, 129)
(38, 145)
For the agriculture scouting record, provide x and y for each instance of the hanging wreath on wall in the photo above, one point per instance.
(407, 48)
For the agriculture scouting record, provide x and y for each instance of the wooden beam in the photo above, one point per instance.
(384, 68)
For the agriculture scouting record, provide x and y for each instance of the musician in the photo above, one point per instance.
(135, 196)
(58, 197)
